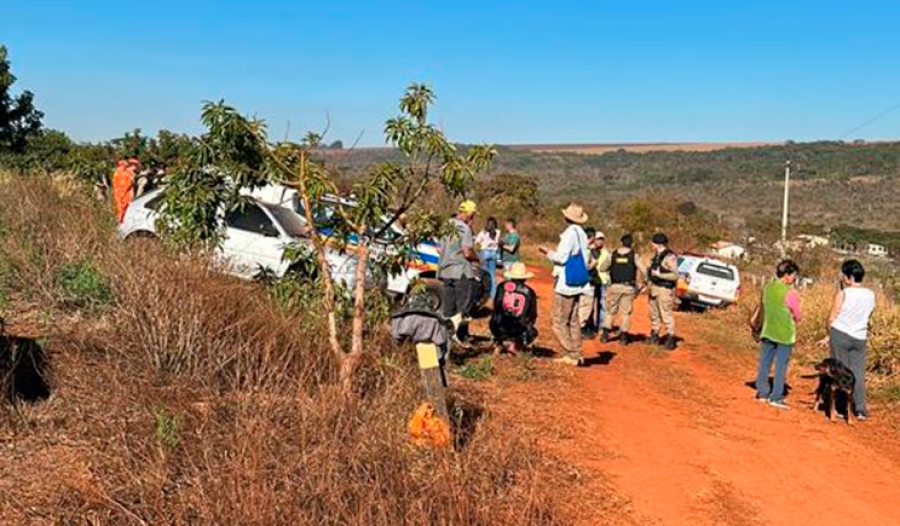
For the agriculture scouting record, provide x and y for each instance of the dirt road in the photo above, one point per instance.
(681, 436)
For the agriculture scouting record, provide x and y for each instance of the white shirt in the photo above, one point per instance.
(856, 309)
(486, 242)
(571, 241)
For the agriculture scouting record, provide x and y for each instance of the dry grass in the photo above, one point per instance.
(187, 397)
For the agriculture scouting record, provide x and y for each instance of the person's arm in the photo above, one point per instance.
(792, 300)
(668, 271)
(605, 262)
(564, 249)
(510, 246)
(836, 304)
(468, 246)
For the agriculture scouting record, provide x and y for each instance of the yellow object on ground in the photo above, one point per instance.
(428, 355)
(427, 428)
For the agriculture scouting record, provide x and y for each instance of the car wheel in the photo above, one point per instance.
(428, 295)
(142, 238)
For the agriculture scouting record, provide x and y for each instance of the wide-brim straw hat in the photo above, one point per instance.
(575, 214)
(518, 271)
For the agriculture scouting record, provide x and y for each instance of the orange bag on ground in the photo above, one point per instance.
(427, 428)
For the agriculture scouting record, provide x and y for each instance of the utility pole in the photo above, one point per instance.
(784, 212)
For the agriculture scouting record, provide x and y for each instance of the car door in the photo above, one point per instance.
(252, 241)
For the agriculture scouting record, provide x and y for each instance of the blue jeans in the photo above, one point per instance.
(779, 353)
(489, 264)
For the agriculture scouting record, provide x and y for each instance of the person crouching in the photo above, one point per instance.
(515, 311)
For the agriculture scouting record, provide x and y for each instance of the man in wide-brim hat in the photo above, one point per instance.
(573, 242)
(515, 310)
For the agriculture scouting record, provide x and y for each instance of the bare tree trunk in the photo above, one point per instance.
(324, 269)
(351, 363)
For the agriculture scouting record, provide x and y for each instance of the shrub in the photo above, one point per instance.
(82, 285)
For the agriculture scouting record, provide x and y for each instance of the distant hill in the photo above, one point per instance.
(834, 182)
(601, 148)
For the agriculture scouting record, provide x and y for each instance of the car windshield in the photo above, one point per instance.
(288, 220)
(715, 271)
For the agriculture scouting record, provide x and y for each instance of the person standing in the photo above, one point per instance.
(571, 253)
(780, 316)
(123, 186)
(456, 269)
(662, 275)
(601, 260)
(849, 328)
(488, 242)
(586, 302)
(623, 268)
(510, 244)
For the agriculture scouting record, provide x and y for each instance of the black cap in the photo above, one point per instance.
(660, 239)
(627, 240)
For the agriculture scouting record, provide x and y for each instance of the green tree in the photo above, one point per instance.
(235, 154)
(19, 120)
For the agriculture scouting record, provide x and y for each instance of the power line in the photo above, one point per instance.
(870, 121)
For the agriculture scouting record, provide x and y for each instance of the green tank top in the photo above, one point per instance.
(778, 323)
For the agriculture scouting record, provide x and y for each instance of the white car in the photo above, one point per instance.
(707, 282)
(255, 237)
(424, 261)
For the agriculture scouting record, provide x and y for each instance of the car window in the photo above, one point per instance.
(289, 220)
(251, 218)
(715, 271)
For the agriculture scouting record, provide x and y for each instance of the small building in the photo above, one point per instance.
(812, 241)
(727, 250)
(877, 250)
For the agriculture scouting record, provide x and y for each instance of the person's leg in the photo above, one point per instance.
(766, 355)
(655, 318)
(613, 298)
(841, 346)
(600, 305)
(857, 364)
(558, 320)
(489, 264)
(448, 297)
(627, 310)
(574, 326)
(585, 305)
(666, 310)
(782, 357)
(465, 295)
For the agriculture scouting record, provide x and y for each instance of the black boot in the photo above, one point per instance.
(604, 337)
(654, 338)
(624, 338)
(671, 344)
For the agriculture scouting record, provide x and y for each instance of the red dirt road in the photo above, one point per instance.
(680, 435)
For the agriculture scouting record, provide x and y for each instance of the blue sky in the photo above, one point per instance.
(504, 72)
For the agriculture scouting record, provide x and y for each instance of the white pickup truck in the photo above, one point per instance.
(706, 282)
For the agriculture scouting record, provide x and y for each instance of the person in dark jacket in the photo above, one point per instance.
(515, 310)
(624, 270)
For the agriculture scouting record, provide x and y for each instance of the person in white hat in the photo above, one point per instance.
(571, 261)
(515, 310)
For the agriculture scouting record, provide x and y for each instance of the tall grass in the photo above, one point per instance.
(182, 396)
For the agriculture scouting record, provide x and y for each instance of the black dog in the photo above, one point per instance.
(834, 378)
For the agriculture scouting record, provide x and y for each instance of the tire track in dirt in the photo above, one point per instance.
(687, 444)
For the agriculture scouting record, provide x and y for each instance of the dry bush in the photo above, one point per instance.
(192, 398)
